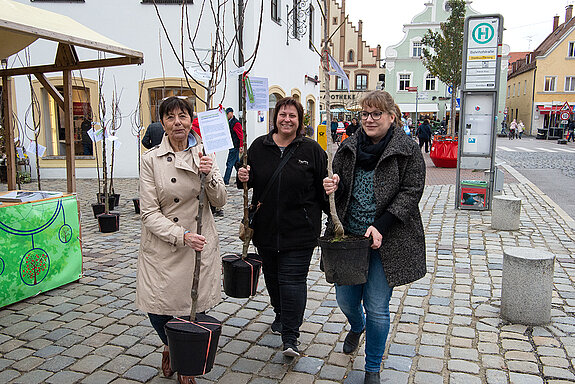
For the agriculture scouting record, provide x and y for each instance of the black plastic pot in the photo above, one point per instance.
(345, 262)
(241, 275)
(98, 209)
(136, 202)
(116, 197)
(193, 345)
(111, 200)
(109, 222)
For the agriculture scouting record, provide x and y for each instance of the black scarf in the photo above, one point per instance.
(368, 154)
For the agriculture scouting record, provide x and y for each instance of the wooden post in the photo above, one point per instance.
(9, 132)
(69, 132)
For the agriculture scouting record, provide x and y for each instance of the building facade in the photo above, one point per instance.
(361, 63)
(405, 68)
(136, 24)
(540, 83)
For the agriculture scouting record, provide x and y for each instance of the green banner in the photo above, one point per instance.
(39, 247)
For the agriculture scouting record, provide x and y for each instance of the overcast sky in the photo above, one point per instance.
(527, 22)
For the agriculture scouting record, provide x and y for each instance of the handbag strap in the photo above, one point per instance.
(276, 173)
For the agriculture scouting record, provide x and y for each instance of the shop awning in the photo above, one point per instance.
(551, 109)
(421, 107)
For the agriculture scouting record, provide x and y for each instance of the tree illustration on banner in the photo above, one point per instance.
(35, 265)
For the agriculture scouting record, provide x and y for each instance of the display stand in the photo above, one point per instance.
(39, 247)
(479, 96)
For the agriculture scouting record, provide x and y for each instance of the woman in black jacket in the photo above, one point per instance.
(424, 135)
(288, 222)
(353, 127)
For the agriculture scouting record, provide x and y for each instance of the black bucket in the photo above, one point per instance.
(109, 222)
(241, 275)
(116, 197)
(136, 202)
(193, 345)
(345, 262)
(98, 209)
(111, 200)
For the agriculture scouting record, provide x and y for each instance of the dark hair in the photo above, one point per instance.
(174, 102)
(426, 121)
(285, 102)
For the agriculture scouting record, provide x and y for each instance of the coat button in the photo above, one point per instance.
(175, 219)
(176, 200)
(169, 159)
(173, 179)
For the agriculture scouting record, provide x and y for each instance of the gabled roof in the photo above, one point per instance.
(554, 37)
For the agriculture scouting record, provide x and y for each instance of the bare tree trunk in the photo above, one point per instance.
(196, 280)
(338, 227)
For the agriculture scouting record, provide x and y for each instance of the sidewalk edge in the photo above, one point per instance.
(523, 180)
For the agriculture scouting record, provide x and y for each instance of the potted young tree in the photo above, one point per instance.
(345, 258)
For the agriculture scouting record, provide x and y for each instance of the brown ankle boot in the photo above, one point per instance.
(186, 379)
(166, 367)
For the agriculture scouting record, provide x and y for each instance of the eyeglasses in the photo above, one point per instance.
(375, 115)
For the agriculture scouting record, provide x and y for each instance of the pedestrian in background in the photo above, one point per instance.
(520, 129)
(353, 127)
(288, 221)
(237, 134)
(424, 135)
(379, 176)
(153, 136)
(169, 191)
(571, 129)
(512, 129)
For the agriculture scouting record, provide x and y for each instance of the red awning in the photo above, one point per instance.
(546, 110)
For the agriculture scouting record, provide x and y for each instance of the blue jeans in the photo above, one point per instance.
(233, 158)
(375, 294)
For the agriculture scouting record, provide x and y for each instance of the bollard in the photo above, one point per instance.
(505, 213)
(527, 285)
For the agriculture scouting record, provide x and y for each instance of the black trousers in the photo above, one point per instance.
(158, 322)
(285, 274)
(424, 141)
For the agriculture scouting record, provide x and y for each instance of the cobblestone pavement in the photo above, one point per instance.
(445, 327)
(540, 160)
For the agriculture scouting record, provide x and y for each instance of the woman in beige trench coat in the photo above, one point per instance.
(169, 200)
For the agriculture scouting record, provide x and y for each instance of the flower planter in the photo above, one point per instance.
(241, 275)
(193, 344)
(444, 152)
(98, 209)
(136, 202)
(109, 222)
(345, 262)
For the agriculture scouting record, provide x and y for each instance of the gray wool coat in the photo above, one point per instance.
(399, 181)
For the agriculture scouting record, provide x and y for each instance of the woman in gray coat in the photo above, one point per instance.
(379, 176)
(169, 200)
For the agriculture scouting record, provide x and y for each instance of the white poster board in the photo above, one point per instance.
(215, 130)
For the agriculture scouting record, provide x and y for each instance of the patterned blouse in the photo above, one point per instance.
(361, 210)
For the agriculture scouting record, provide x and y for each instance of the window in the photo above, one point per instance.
(550, 83)
(339, 84)
(160, 93)
(55, 133)
(571, 49)
(275, 10)
(416, 51)
(518, 88)
(350, 56)
(404, 81)
(361, 82)
(513, 90)
(508, 91)
(334, 21)
(525, 88)
(570, 84)
(310, 28)
(430, 82)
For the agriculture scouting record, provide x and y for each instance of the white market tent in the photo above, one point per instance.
(20, 26)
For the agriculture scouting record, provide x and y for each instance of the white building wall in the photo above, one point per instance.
(136, 26)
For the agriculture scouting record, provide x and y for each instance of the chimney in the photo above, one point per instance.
(555, 22)
(568, 12)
